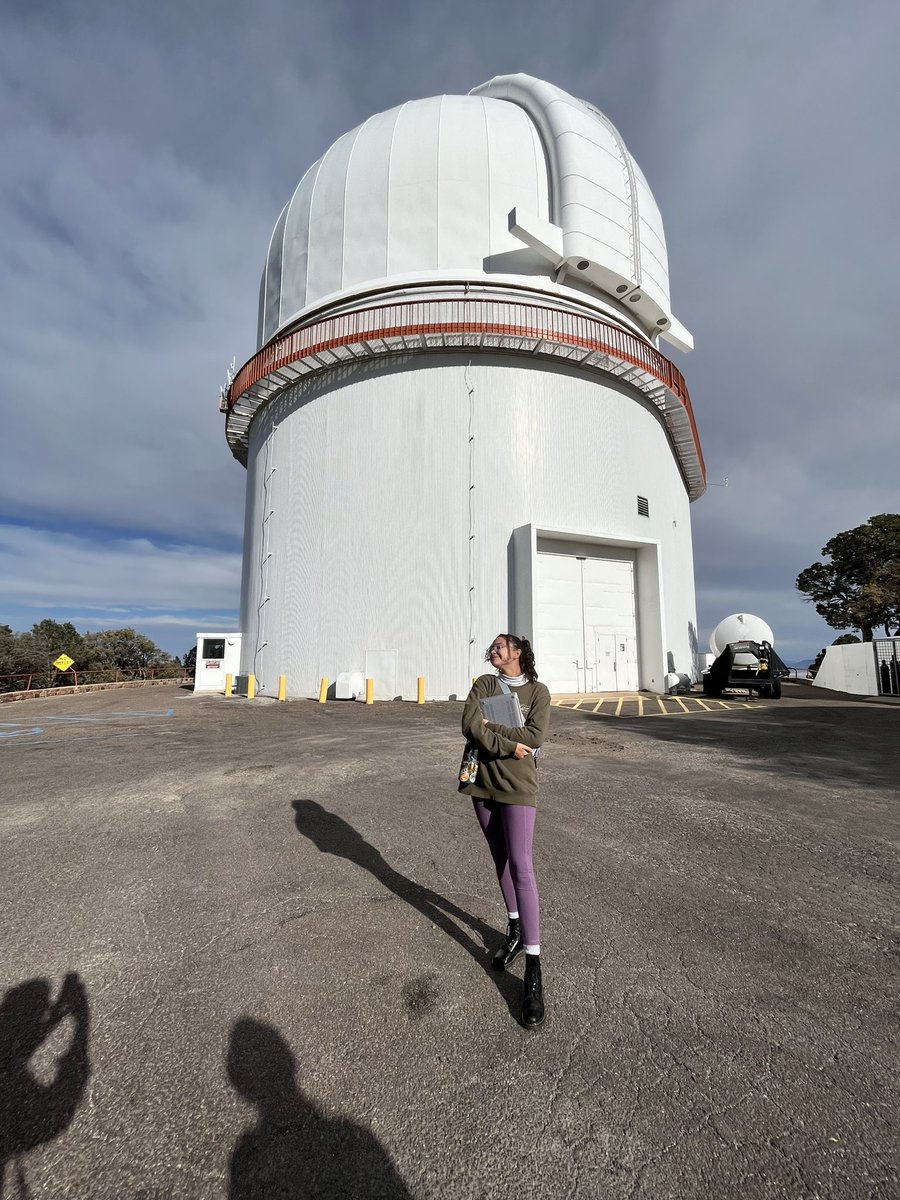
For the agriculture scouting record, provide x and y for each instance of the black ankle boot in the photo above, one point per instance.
(533, 1002)
(511, 948)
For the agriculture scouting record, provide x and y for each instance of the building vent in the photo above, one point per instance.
(643, 506)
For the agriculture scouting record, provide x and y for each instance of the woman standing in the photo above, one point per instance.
(504, 792)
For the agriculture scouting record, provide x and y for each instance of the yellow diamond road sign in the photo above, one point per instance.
(63, 662)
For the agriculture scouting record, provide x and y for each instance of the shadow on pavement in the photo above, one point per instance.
(333, 835)
(838, 740)
(33, 1112)
(295, 1150)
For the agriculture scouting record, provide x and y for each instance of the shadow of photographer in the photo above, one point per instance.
(295, 1150)
(333, 835)
(33, 1112)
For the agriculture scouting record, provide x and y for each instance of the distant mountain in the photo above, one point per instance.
(802, 665)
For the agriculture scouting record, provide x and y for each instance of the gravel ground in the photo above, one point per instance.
(244, 951)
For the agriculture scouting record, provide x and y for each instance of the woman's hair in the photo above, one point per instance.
(526, 659)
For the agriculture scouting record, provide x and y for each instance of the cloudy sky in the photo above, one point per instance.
(148, 149)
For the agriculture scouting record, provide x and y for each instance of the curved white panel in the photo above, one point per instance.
(361, 536)
(426, 189)
(610, 222)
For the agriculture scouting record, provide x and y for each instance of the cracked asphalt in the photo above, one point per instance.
(244, 953)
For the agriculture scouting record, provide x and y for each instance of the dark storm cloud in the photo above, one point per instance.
(147, 152)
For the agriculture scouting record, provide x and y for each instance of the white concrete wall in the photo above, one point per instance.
(849, 669)
(383, 527)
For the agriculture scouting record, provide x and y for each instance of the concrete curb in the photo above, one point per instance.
(39, 693)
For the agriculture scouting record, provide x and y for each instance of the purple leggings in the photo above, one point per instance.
(509, 829)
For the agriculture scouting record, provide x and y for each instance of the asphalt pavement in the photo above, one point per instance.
(244, 952)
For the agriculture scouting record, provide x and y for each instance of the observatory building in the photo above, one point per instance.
(458, 421)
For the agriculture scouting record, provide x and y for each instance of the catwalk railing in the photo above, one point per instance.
(447, 323)
(26, 681)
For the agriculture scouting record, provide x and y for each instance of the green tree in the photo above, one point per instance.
(61, 636)
(124, 648)
(24, 655)
(8, 657)
(46, 641)
(30, 654)
(860, 587)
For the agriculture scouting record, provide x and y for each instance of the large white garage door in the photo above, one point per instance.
(586, 638)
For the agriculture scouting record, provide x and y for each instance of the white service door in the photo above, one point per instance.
(209, 674)
(559, 641)
(586, 638)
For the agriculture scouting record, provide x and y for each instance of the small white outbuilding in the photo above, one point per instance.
(458, 421)
(218, 655)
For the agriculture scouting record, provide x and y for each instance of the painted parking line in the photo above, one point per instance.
(169, 712)
(637, 705)
(24, 729)
(65, 744)
(108, 717)
(11, 729)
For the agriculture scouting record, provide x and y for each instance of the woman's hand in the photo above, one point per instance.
(521, 751)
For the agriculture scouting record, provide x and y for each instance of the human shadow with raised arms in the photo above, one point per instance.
(295, 1151)
(32, 1111)
(333, 835)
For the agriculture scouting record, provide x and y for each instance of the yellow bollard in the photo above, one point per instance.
(420, 691)
(229, 681)
(370, 691)
(251, 686)
(323, 690)
(282, 686)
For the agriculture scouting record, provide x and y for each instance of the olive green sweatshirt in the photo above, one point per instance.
(501, 776)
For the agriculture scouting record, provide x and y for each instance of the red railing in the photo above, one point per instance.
(421, 318)
(27, 681)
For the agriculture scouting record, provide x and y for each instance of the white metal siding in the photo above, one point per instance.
(603, 204)
(425, 187)
(325, 266)
(370, 537)
(367, 216)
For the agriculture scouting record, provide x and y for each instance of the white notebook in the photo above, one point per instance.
(503, 710)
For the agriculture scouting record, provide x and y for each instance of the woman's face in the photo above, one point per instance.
(504, 656)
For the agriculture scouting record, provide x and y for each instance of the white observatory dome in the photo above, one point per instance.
(456, 279)
(516, 180)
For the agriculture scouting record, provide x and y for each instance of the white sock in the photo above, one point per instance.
(535, 949)
(513, 916)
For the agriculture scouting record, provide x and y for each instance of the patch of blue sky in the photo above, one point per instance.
(107, 533)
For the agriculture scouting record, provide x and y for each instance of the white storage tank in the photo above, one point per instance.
(740, 627)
